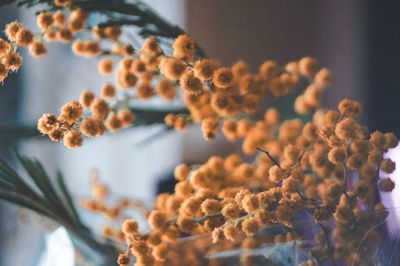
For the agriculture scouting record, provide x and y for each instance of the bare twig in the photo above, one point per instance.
(270, 157)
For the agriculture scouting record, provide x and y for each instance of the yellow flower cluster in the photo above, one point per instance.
(310, 168)
(112, 211)
(72, 123)
(327, 168)
(214, 95)
(53, 27)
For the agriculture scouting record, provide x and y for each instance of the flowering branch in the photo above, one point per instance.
(118, 13)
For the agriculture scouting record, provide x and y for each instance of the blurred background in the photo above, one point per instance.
(358, 40)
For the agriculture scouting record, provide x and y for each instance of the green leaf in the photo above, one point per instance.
(12, 132)
(9, 175)
(42, 181)
(26, 202)
(67, 197)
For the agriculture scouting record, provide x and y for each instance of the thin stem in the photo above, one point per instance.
(328, 243)
(270, 157)
(345, 182)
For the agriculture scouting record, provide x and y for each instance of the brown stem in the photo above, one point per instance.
(330, 248)
(270, 157)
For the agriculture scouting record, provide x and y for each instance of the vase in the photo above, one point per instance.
(273, 245)
(65, 248)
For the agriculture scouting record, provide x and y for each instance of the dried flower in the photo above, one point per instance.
(107, 91)
(166, 89)
(37, 49)
(345, 128)
(268, 69)
(391, 141)
(250, 226)
(63, 3)
(59, 18)
(105, 66)
(388, 166)
(154, 238)
(130, 227)
(276, 174)
(350, 108)
(231, 211)
(250, 203)
(44, 20)
(92, 127)
(308, 66)
(126, 79)
(65, 35)
(204, 69)
(77, 20)
(126, 117)
(99, 108)
(181, 172)
(71, 112)
(86, 98)
(232, 233)
(123, 259)
(151, 46)
(190, 84)
(184, 47)
(139, 248)
(47, 122)
(73, 139)
(145, 91)
(337, 155)
(4, 47)
(323, 78)
(160, 252)
(386, 185)
(12, 61)
(185, 224)
(12, 29)
(306, 168)
(113, 123)
(172, 68)
(211, 207)
(223, 77)
(157, 219)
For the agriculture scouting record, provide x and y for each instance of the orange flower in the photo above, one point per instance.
(223, 77)
(73, 139)
(184, 47)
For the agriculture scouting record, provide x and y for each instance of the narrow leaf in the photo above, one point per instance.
(67, 197)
